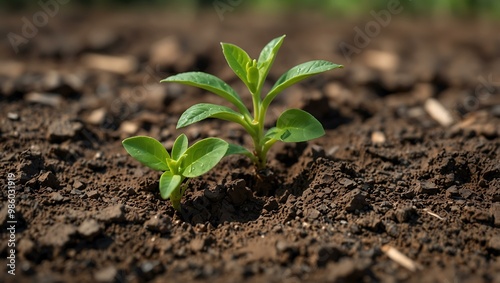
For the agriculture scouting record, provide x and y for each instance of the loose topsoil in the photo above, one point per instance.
(389, 175)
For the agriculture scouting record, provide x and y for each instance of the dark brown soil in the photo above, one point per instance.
(387, 175)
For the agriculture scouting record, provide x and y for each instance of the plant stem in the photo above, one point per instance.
(258, 130)
(256, 107)
(260, 153)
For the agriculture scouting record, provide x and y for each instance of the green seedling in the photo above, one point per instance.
(183, 162)
(293, 125)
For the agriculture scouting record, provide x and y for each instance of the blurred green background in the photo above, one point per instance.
(461, 8)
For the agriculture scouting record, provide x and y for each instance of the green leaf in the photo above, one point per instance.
(238, 149)
(203, 156)
(169, 183)
(179, 147)
(237, 59)
(296, 125)
(297, 74)
(148, 151)
(267, 56)
(202, 111)
(271, 134)
(210, 83)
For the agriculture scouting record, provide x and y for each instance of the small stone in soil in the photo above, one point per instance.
(371, 223)
(96, 165)
(354, 228)
(150, 268)
(481, 216)
(122, 65)
(355, 200)
(392, 230)
(283, 246)
(438, 112)
(452, 192)
(158, 223)
(348, 183)
(271, 204)
(89, 228)
(427, 187)
(97, 116)
(58, 235)
(277, 229)
(56, 197)
(27, 268)
(378, 137)
(197, 244)
(13, 116)
(131, 192)
(465, 193)
(79, 185)
(106, 275)
(383, 61)
(113, 213)
(61, 130)
(313, 213)
(405, 214)
(94, 194)
(49, 99)
(129, 127)
(167, 51)
(48, 179)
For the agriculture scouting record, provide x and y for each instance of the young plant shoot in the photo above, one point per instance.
(293, 125)
(183, 162)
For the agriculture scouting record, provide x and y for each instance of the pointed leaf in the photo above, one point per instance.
(202, 111)
(237, 59)
(203, 156)
(267, 56)
(296, 125)
(169, 183)
(237, 149)
(210, 83)
(148, 151)
(269, 51)
(297, 74)
(179, 147)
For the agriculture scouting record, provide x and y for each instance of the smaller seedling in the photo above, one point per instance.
(293, 125)
(183, 162)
